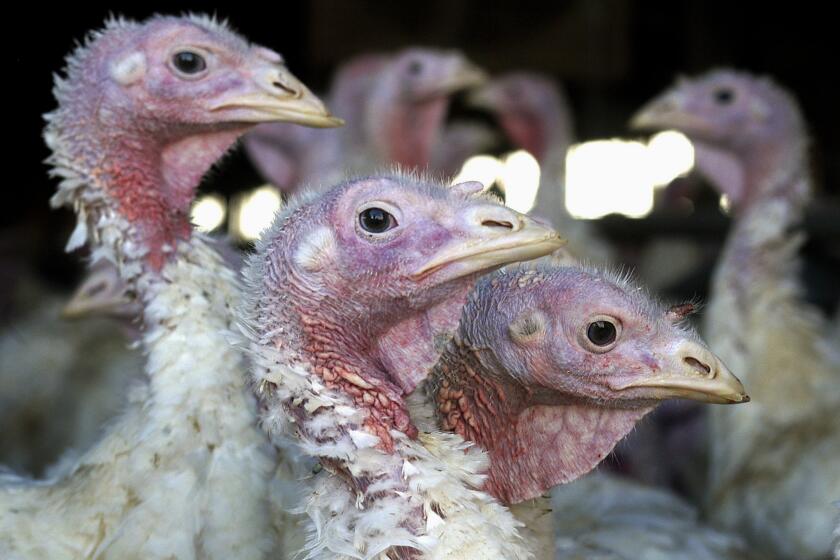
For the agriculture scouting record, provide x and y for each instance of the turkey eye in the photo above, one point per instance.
(601, 333)
(376, 220)
(724, 96)
(188, 62)
(414, 67)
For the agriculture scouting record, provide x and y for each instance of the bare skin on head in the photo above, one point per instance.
(745, 129)
(354, 278)
(158, 104)
(408, 105)
(552, 367)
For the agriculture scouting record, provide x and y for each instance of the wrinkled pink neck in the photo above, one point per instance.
(339, 346)
(407, 132)
(535, 438)
(148, 175)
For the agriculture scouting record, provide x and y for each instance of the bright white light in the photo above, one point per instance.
(208, 212)
(617, 176)
(256, 212)
(725, 204)
(520, 178)
(672, 155)
(607, 176)
(484, 169)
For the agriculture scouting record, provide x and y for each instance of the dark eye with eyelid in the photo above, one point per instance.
(601, 333)
(724, 96)
(415, 67)
(376, 220)
(189, 63)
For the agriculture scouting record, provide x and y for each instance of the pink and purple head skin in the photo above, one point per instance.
(551, 367)
(146, 108)
(746, 131)
(409, 102)
(531, 109)
(351, 282)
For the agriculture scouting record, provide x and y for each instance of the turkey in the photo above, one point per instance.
(774, 463)
(394, 107)
(535, 115)
(49, 365)
(348, 293)
(144, 110)
(102, 292)
(551, 367)
(606, 517)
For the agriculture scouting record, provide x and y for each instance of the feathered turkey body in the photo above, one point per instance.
(165, 477)
(773, 463)
(774, 467)
(382, 492)
(606, 517)
(81, 370)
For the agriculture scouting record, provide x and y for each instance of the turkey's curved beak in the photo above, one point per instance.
(462, 74)
(692, 372)
(667, 111)
(276, 95)
(496, 236)
(99, 295)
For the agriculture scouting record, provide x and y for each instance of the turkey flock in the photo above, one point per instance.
(402, 367)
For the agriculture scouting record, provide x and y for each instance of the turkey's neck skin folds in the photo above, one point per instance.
(420, 499)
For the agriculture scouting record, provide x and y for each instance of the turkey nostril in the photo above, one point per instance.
(495, 223)
(696, 364)
(283, 87)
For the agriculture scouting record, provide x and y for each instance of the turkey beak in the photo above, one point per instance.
(462, 75)
(494, 236)
(94, 298)
(666, 111)
(692, 372)
(277, 95)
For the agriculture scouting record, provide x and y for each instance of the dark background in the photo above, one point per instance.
(611, 55)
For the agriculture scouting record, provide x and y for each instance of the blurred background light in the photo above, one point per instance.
(608, 176)
(619, 176)
(519, 176)
(208, 212)
(482, 168)
(602, 176)
(254, 211)
(671, 156)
